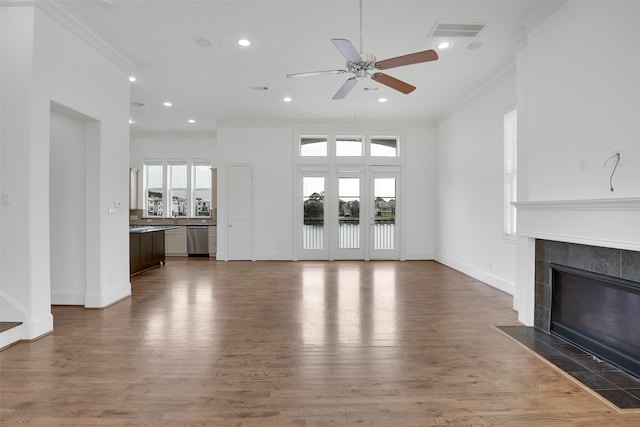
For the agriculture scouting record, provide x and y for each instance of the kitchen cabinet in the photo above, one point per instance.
(213, 242)
(176, 242)
(146, 250)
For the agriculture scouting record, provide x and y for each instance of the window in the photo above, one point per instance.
(346, 145)
(349, 146)
(313, 146)
(153, 177)
(384, 146)
(510, 169)
(202, 189)
(178, 189)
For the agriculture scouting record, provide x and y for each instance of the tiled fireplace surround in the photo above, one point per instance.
(600, 236)
(619, 263)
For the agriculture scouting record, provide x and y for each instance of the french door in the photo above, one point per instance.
(348, 213)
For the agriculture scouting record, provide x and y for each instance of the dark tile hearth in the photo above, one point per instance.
(619, 388)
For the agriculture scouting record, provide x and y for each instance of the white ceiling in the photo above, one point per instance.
(214, 84)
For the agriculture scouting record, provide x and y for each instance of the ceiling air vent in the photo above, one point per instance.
(458, 29)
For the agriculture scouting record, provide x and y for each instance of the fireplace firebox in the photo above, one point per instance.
(599, 313)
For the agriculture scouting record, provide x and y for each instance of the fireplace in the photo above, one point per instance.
(598, 313)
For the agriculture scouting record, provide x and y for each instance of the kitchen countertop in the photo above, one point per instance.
(149, 228)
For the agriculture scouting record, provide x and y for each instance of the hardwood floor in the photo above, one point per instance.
(206, 343)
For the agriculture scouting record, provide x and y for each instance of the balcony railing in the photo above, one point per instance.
(349, 235)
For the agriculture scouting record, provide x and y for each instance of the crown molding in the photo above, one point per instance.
(545, 10)
(59, 13)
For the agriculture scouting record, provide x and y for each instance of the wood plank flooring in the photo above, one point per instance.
(207, 343)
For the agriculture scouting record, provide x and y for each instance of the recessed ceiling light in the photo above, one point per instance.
(244, 42)
(130, 121)
(287, 99)
(192, 121)
(167, 104)
(132, 79)
(382, 99)
(443, 44)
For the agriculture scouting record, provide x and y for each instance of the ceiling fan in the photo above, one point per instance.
(364, 65)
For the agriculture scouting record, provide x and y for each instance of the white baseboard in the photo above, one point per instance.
(492, 280)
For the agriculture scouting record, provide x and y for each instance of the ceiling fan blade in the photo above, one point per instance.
(412, 58)
(347, 50)
(315, 73)
(393, 83)
(345, 88)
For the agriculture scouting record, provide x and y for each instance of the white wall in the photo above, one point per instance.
(582, 84)
(419, 174)
(469, 172)
(67, 201)
(271, 151)
(578, 87)
(44, 62)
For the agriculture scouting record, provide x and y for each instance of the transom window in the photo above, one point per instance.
(348, 146)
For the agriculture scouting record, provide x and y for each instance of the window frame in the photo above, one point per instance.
(194, 165)
(163, 190)
(167, 187)
(510, 171)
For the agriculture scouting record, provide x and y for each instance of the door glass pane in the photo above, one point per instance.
(349, 146)
(384, 146)
(348, 213)
(384, 209)
(313, 146)
(313, 205)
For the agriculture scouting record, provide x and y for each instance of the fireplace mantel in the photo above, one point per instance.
(601, 222)
(610, 223)
(607, 204)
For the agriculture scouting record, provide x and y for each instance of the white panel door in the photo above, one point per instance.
(239, 212)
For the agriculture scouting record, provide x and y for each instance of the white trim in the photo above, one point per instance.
(535, 18)
(628, 204)
(496, 282)
(58, 12)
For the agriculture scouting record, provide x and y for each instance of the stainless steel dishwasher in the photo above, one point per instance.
(198, 240)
